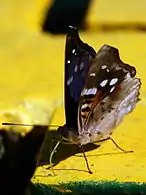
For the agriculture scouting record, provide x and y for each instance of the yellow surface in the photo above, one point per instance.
(117, 11)
(32, 69)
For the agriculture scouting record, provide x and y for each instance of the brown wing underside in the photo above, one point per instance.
(104, 77)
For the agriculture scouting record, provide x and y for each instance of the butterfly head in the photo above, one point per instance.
(69, 134)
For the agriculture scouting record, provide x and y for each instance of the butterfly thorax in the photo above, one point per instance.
(71, 135)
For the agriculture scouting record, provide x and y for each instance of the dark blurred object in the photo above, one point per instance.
(19, 156)
(64, 13)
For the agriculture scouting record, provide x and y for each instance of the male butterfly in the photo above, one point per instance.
(99, 90)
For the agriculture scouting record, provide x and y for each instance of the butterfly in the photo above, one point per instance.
(99, 90)
(19, 156)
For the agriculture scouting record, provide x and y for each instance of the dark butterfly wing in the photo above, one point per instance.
(104, 77)
(78, 57)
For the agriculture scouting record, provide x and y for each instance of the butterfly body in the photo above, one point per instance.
(99, 90)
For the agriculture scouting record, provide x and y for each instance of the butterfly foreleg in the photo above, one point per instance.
(62, 141)
(51, 156)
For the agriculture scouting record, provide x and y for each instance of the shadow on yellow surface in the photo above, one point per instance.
(65, 150)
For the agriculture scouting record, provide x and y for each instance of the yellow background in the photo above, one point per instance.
(31, 67)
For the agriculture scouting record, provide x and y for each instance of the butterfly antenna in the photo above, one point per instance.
(51, 156)
(86, 160)
(125, 151)
(19, 124)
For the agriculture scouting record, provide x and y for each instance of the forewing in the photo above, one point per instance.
(78, 57)
(104, 78)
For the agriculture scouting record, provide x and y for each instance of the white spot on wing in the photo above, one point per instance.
(76, 68)
(128, 75)
(73, 51)
(81, 65)
(112, 89)
(84, 106)
(92, 74)
(70, 80)
(91, 91)
(88, 91)
(68, 61)
(94, 90)
(103, 66)
(113, 81)
(103, 83)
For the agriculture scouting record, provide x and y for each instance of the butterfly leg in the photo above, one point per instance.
(125, 151)
(63, 142)
(51, 156)
(86, 160)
